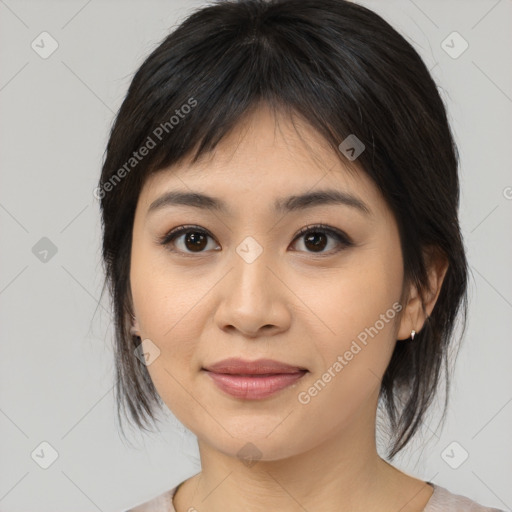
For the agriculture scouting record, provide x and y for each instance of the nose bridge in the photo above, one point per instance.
(251, 298)
(251, 276)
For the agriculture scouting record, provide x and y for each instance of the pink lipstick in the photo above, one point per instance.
(253, 380)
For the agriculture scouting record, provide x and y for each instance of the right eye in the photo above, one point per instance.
(186, 240)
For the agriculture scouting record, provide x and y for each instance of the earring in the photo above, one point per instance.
(413, 333)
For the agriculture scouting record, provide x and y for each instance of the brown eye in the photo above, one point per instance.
(195, 241)
(315, 241)
(317, 238)
(186, 239)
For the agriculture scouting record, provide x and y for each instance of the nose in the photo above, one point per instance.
(254, 301)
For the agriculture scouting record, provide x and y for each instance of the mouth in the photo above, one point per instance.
(253, 380)
(237, 366)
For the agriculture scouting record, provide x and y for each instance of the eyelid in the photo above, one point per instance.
(324, 228)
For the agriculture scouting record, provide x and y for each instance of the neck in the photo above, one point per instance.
(309, 481)
(344, 472)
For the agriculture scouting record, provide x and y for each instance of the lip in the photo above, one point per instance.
(253, 380)
(238, 366)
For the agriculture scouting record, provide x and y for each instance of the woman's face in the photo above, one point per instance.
(252, 288)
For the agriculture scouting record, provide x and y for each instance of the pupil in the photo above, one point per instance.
(316, 243)
(197, 239)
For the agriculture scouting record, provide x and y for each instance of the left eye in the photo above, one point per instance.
(192, 239)
(316, 238)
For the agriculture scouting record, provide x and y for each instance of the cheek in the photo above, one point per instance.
(362, 312)
(168, 318)
(353, 299)
(166, 306)
(357, 321)
(163, 296)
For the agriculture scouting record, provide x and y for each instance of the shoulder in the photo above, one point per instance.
(161, 503)
(443, 500)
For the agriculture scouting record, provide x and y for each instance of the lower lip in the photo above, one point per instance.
(254, 387)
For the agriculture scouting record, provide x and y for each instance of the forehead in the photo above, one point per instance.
(265, 157)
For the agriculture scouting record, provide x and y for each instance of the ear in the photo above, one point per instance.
(413, 316)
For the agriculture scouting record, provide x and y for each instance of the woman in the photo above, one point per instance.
(282, 245)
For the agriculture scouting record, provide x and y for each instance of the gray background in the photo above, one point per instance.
(56, 361)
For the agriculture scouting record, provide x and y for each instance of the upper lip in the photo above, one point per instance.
(239, 366)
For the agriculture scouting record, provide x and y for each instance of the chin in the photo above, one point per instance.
(254, 440)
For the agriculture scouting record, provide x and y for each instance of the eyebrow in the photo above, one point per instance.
(281, 205)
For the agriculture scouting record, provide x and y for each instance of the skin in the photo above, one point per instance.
(290, 304)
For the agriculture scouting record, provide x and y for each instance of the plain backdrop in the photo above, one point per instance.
(56, 365)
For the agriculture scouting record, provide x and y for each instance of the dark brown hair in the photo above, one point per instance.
(344, 70)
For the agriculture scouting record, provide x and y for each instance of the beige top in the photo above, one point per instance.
(441, 500)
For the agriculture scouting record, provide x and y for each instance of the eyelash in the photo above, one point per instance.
(340, 236)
